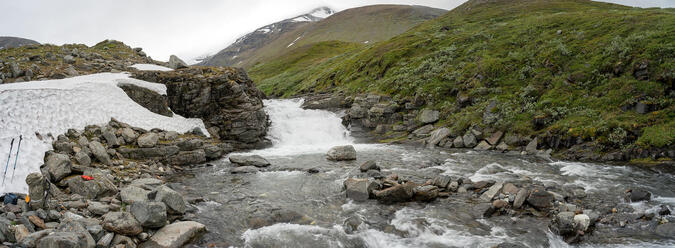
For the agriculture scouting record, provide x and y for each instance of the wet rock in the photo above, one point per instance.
(483, 184)
(453, 186)
(173, 200)
(498, 204)
(491, 192)
(563, 224)
(483, 146)
(122, 223)
(358, 189)
(637, 195)
(469, 140)
(664, 210)
(425, 193)
(352, 224)
(174, 235)
(582, 222)
(100, 153)
(509, 188)
(213, 152)
(341, 153)
(438, 135)
(149, 214)
(666, 230)
(510, 245)
(369, 165)
(442, 181)
(397, 193)
(540, 198)
(147, 140)
(428, 116)
(252, 160)
(244, 169)
(148, 153)
(58, 165)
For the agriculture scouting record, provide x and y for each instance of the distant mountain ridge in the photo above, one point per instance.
(236, 52)
(11, 42)
(367, 24)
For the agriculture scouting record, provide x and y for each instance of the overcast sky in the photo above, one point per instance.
(163, 27)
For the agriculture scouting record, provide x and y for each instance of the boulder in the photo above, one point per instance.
(105, 240)
(147, 183)
(491, 192)
(510, 189)
(147, 140)
(175, 235)
(82, 158)
(495, 138)
(101, 186)
(340, 153)
(397, 193)
(438, 135)
(357, 189)
(563, 224)
(520, 198)
(540, 198)
(62, 240)
(442, 181)
(131, 194)
(77, 226)
(110, 138)
(37, 185)
(483, 146)
(498, 204)
(100, 153)
(176, 63)
(173, 200)
(531, 147)
(428, 116)
(149, 99)
(30, 241)
(122, 223)
(637, 195)
(582, 222)
(129, 135)
(458, 142)
(190, 144)
(98, 208)
(425, 193)
(188, 158)
(469, 140)
(252, 160)
(369, 165)
(666, 230)
(213, 152)
(58, 165)
(149, 214)
(502, 147)
(423, 131)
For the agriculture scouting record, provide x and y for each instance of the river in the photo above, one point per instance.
(285, 206)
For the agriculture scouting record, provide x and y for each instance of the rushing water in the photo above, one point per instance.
(284, 206)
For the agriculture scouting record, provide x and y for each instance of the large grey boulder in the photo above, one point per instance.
(148, 140)
(191, 144)
(540, 198)
(129, 135)
(98, 208)
(428, 116)
(82, 158)
(358, 189)
(491, 192)
(100, 152)
(36, 189)
(397, 193)
(122, 223)
(246, 160)
(340, 153)
(175, 235)
(31, 239)
(149, 214)
(438, 135)
(176, 63)
(188, 158)
(173, 200)
(101, 186)
(531, 147)
(110, 137)
(469, 140)
(458, 142)
(77, 226)
(520, 198)
(58, 165)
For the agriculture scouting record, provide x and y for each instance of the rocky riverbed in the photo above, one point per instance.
(410, 196)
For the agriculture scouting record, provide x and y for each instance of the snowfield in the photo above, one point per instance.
(151, 67)
(54, 106)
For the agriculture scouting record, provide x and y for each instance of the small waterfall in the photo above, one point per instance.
(302, 131)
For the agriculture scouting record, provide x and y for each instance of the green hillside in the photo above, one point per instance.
(571, 67)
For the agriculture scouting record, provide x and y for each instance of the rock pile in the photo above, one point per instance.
(101, 187)
(565, 210)
(224, 98)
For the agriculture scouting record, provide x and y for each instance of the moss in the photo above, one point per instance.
(661, 135)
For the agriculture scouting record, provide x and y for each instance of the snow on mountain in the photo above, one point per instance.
(151, 67)
(49, 108)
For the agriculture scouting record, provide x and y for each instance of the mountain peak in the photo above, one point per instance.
(314, 15)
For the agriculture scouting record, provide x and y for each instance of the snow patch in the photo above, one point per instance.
(302, 19)
(322, 13)
(293, 43)
(151, 67)
(54, 106)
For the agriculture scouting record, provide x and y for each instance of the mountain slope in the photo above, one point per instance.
(10, 42)
(363, 25)
(576, 69)
(249, 43)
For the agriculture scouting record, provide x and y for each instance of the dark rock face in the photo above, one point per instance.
(149, 99)
(224, 98)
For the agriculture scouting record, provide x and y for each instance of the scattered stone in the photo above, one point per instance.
(98, 208)
(637, 195)
(100, 153)
(458, 142)
(429, 116)
(62, 239)
(252, 160)
(425, 193)
(495, 138)
(438, 135)
(131, 194)
(149, 214)
(469, 140)
(369, 165)
(531, 147)
(582, 222)
(483, 146)
(358, 189)
(58, 165)
(540, 198)
(176, 63)
(442, 181)
(340, 153)
(105, 241)
(397, 193)
(491, 192)
(173, 200)
(82, 158)
(509, 188)
(498, 204)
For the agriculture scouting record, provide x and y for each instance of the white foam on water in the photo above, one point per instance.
(293, 235)
(54, 106)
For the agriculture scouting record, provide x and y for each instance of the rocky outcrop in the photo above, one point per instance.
(224, 98)
(149, 99)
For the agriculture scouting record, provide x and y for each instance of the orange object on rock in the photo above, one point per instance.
(27, 199)
(87, 178)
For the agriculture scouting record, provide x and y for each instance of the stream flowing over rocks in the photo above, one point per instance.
(293, 194)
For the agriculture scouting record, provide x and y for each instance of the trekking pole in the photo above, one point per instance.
(16, 158)
(11, 146)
